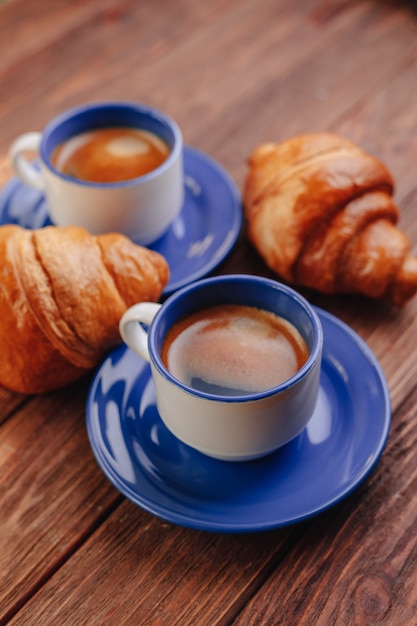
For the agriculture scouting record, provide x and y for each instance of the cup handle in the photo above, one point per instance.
(131, 330)
(23, 168)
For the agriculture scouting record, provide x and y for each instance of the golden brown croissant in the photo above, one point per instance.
(62, 293)
(320, 212)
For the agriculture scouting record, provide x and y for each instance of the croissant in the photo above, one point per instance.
(320, 212)
(62, 293)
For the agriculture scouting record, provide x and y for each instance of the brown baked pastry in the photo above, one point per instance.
(320, 212)
(62, 293)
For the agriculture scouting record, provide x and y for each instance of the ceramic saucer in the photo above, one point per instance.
(195, 244)
(328, 460)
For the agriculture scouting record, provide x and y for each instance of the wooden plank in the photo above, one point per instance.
(173, 575)
(37, 24)
(9, 402)
(52, 493)
(68, 57)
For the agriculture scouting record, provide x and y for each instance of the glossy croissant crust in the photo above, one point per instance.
(320, 212)
(62, 293)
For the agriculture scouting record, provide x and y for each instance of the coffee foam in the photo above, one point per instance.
(246, 351)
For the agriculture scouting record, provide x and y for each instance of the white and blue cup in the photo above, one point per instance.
(141, 208)
(234, 428)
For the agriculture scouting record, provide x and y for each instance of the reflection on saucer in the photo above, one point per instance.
(320, 425)
(118, 456)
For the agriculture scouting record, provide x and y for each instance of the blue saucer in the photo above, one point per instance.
(327, 461)
(196, 243)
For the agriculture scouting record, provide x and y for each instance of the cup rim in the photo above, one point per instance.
(138, 107)
(314, 356)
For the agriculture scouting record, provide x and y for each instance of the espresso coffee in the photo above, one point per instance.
(109, 155)
(233, 350)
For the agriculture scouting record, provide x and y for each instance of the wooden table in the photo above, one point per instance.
(233, 73)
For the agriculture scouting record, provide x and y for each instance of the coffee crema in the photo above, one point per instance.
(233, 350)
(109, 155)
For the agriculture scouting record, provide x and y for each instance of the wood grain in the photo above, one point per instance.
(51, 494)
(234, 74)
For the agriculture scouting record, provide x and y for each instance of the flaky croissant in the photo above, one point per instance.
(320, 212)
(62, 293)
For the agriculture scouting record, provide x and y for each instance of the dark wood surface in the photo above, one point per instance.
(233, 73)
